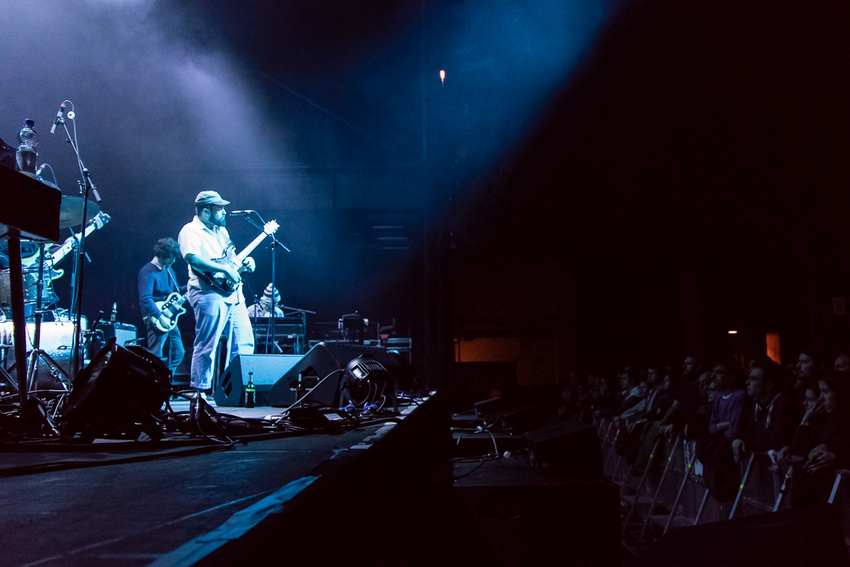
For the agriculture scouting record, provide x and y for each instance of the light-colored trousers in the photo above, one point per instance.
(214, 318)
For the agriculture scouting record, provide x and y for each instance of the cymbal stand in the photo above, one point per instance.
(36, 353)
(26, 379)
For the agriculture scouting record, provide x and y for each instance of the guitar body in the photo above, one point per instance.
(30, 265)
(218, 281)
(172, 308)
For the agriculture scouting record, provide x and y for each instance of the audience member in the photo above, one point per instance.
(696, 426)
(821, 443)
(807, 371)
(729, 414)
(687, 399)
(812, 413)
(649, 388)
(568, 400)
(842, 363)
(775, 414)
(630, 391)
(584, 402)
(601, 399)
(653, 429)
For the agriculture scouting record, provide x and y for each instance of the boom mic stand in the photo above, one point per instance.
(275, 243)
(76, 302)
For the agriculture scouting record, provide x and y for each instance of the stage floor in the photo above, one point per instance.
(134, 503)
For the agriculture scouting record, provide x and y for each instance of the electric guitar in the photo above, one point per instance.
(172, 308)
(218, 281)
(97, 222)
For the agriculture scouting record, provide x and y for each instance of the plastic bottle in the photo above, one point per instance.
(114, 315)
(250, 391)
(27, 155)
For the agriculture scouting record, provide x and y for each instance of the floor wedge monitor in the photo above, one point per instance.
(265, 370)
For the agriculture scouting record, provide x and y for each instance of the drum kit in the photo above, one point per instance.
(31, 328)
(33, 281)
(50, 331)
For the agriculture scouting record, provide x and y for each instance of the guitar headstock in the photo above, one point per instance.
(99, 220)
(270, 227)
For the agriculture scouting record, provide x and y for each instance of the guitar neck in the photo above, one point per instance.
(250, 248)
(57, 256)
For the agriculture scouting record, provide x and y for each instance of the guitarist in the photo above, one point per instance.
(156, 282)
(207, 248)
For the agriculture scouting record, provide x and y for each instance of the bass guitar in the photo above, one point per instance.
(172, 308)
(218, 281)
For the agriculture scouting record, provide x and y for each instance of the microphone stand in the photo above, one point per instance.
(271, 327)
(76, 301)
(270, 330)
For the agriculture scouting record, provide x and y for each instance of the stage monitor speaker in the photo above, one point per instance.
(566, 450)
(267, 370)
(117, 395)
(325, 361)
(800, 537)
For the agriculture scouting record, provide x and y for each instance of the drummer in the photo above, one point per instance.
(28, 249)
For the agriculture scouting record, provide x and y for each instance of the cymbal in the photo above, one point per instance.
(71, 211)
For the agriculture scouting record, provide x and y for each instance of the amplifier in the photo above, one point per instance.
(124, 333)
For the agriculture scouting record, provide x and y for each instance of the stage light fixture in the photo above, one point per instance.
(364, 381)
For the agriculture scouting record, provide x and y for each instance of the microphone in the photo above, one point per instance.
(58, 119)
(245, 212)
(39, 170)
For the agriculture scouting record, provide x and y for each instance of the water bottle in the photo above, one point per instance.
(27, 141)
(114, 315)
(250, 391)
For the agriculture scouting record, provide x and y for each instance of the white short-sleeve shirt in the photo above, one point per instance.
(213, 243)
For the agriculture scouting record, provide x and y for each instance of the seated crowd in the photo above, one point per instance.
(796, 416)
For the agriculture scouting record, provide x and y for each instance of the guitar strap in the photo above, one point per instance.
(172, 279)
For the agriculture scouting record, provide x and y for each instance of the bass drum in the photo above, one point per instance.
(56, 344)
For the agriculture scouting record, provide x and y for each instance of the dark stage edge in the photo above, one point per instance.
(316, 498)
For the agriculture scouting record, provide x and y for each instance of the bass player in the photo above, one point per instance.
(206, 246)
(157, 283)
